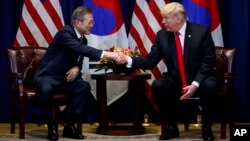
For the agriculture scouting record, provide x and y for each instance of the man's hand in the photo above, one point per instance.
(189, 92)
(72, 73)
(117, 56)
(120, 58)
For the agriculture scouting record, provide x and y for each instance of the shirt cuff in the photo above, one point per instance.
(196, 84)
(102, 54)
(129, 64)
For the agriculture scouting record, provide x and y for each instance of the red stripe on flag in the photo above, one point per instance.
(53, 14)
(150, 33)
(156, 72)
(38, 20)
(138, 40)
(16, 44)
(28, 35)
(154, 7)
(35, 32)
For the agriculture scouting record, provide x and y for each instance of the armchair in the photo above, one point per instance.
(23, 63)
(224, 67)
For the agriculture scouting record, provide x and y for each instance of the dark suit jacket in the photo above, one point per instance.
(64, 53)
(199, 53)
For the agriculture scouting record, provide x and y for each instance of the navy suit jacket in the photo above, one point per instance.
(199, 53)
(64, 52)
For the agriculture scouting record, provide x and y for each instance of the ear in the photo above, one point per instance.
(179, 20)
(77, 23)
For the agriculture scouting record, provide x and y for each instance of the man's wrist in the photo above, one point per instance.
(195, 83)
(129, 62)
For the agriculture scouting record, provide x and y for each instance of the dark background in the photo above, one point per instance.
(235, 21)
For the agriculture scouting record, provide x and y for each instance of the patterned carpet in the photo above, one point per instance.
(39, 133)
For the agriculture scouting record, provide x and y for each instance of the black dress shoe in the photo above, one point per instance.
(70, 131)
(207, 134)
(52, 132)
(170, 132)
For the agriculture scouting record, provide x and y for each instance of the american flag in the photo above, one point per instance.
(40, 21)
(146, 21)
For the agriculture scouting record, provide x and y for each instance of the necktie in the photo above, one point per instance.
(81, 39)
(180, 61)
(80, 57)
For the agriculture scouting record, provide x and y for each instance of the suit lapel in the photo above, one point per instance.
(172, 47)
(187, 43)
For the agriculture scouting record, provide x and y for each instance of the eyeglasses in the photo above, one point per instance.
(91, 22)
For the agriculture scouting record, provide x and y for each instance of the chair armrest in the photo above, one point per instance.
(15, 75)
(229, 75)
(17, 79)
(227, 82)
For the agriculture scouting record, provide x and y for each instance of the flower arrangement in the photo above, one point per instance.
(107, 63)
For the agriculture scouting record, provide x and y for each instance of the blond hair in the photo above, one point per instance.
(176, 9)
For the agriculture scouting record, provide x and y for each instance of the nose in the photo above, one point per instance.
(164, 22)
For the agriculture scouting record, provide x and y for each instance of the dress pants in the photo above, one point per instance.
(167, 93)
(77, 89)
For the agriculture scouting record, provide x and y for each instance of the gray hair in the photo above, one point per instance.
(79, 13)
(176, 9)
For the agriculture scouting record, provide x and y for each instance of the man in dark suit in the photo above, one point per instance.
(60, 70)
(199, 61)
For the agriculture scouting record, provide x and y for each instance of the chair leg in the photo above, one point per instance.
(54, 115)
(223, 131)
(79, 126)
(13, 115)
(186, 117)
(12, 127)
(21, 119)
(163, 127)
(186, 126)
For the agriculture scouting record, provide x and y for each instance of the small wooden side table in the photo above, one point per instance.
(137, 87)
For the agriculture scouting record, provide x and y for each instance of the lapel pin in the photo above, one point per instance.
(189, 36)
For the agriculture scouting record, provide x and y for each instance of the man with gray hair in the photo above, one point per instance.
(189, 53)
(60, 70)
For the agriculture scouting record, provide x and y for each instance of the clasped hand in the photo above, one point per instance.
(120, 58)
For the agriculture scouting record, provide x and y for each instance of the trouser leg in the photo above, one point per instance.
(79, 91)
(208, 91)
(45, 91)
(165, 94)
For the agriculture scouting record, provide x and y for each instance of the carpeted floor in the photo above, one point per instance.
(39, 133)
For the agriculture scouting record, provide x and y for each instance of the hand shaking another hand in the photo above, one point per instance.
(120, 58)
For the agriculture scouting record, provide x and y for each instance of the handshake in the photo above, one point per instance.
(119, 57)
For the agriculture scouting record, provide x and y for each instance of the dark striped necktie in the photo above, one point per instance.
(81, 40)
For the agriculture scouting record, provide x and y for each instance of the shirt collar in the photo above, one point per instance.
(78, 34)
(182, 31)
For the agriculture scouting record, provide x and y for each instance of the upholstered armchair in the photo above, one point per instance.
(23, 63)
(224, 66)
